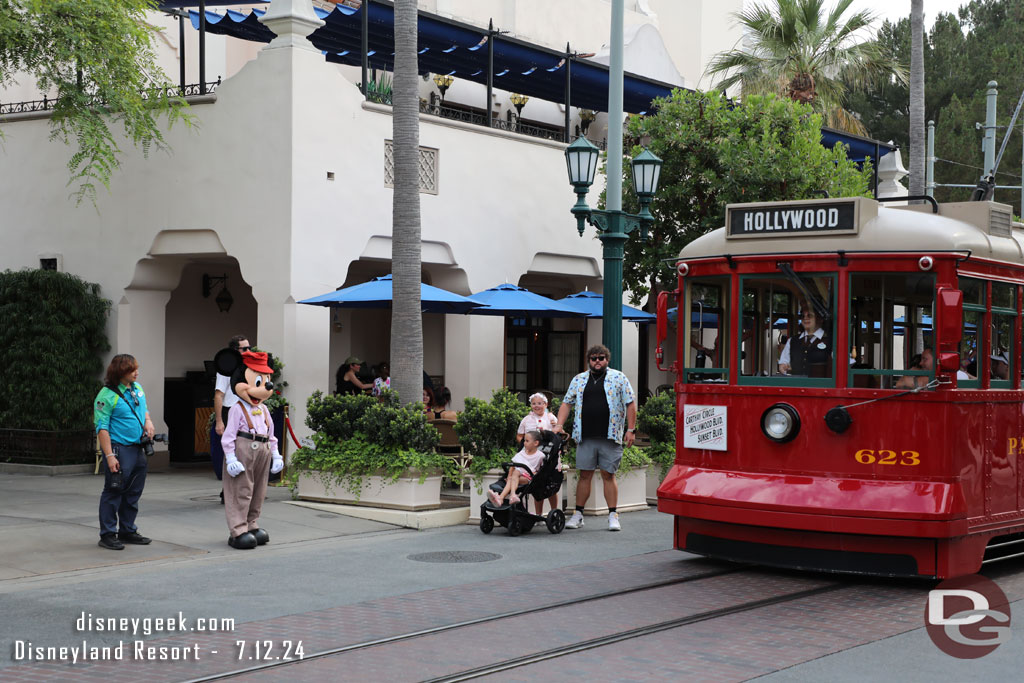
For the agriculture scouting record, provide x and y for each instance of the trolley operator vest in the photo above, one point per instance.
(811, 356)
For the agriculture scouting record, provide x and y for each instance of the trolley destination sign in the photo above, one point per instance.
(792, 218)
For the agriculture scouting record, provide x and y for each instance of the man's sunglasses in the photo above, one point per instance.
(598, 358)
(242, 349)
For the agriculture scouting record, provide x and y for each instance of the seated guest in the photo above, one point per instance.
(922, 361)
(348, 381)
(439, 406)
(382, 379)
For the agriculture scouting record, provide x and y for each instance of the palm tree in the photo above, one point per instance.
(797, 49)
(917, 97)
(406, 318)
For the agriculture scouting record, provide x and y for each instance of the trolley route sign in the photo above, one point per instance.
(705, 427)
(792, 218)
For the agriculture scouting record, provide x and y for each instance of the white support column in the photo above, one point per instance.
(141, 328)
(291, 21)
(474, 356)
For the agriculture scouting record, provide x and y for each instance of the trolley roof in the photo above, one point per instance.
(985, 229)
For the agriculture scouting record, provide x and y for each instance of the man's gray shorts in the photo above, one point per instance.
(593, 453)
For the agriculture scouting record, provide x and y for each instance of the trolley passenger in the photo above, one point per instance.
(1000, 365)
(809, 354)
(922, 361)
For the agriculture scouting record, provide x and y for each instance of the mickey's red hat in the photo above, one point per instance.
(257, 360)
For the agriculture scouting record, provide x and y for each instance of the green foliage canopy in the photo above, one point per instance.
(715, 153)
(96, 59)
(51, 341)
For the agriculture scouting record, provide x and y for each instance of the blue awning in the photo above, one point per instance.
(450, 47)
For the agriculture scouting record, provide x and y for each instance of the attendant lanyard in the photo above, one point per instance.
(131, 390)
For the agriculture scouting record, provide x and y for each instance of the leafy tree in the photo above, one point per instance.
(800, 50)
(95, 59)
(984, 41)
(406, 319)
(715, 153)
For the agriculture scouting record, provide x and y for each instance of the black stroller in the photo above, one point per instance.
(545, 483)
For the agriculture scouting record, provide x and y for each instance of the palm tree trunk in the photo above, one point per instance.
(406, 318)
(917, 143)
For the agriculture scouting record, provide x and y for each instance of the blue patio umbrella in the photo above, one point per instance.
(592, 304)
(377, 294)
(515, 301)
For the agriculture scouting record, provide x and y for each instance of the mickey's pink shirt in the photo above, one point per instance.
(236, 423)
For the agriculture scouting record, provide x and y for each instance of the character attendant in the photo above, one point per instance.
(250, 447)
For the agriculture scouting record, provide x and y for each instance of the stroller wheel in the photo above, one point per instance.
(486, 524)
(515, 526)
(555, 521)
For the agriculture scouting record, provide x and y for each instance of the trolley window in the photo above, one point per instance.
(891, 330)
(1004, 322)
(974, 320)
(788, 329)
(707, 355)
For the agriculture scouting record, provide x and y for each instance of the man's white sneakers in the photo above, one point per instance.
(576, 521)
(613, 522)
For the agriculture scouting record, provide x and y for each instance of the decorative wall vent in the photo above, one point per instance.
(428, 160)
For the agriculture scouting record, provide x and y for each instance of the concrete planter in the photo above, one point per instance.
(654, 480)
(632, 492)
(407, 493)
(477, 498)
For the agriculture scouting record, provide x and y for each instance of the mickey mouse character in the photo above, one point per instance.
(250, 447)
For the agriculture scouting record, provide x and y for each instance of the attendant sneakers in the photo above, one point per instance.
(110, 542)
(613, 522)
(133, 537)
(576, 521)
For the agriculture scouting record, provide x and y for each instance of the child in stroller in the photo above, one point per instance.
(532, 473)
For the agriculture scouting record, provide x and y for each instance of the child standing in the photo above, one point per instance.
(532, 457)
(540, 419)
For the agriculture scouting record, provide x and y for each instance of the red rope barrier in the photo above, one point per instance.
(288, 423)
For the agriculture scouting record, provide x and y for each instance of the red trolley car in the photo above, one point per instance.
(848, 382)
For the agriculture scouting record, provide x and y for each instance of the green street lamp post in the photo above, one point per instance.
(613, 227)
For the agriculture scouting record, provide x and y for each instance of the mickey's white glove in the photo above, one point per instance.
(277, 465)
(233, 466)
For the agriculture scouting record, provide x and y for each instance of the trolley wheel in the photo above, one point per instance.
(486, 524)
(555, 521)
(515, 526)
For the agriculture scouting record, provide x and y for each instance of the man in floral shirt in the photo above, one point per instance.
(605, 421)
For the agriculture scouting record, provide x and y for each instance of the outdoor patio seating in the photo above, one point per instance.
(450, 446)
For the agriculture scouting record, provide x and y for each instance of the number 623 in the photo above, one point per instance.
(868, 456)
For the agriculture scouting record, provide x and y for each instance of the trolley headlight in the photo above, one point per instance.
(780, 423)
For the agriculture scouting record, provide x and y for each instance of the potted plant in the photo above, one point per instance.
(657, 419)
(370, 452)
(631, 477)
(487, 430)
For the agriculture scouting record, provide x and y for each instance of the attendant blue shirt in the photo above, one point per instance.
(118, 416)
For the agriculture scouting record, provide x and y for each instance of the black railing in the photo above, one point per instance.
(47, 104)
(35, 447)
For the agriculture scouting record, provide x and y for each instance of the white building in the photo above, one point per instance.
(282, 186)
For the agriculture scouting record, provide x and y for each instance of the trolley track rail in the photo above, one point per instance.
(344, 649)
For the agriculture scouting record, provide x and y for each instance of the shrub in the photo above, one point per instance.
(488, 430)
(657, 419)
(357, 435)
(52, 338)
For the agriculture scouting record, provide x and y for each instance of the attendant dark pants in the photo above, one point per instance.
(118, 509)
(216, 449)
